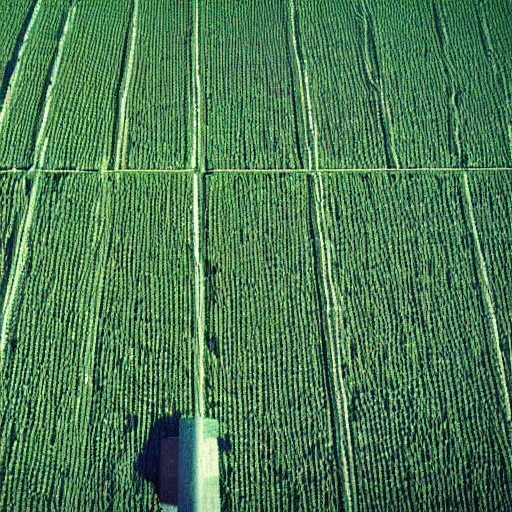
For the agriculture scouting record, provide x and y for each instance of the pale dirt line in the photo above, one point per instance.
(21, 251)
(332, 311)
(43, 153)
(301, 87)
(376, 83)
(488, 298)
(387, 111)
(100, 171)
(456, 114)
(402, 170)
(196, 119)
(122, 136)
(363, 170)
(312, 125)
(451, 72)
(198, 84)
(498, 64)
(94, 318)
(329, 291)
(48, 100)
(100, 279)
(510, 136)
(152, 171)
(195, 164)
(198, 273)
(14, 77)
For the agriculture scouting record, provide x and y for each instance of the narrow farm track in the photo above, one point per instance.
(499, 67)
(103, 241)
(196, 119)
(197, 212)
(332, 317)
(450, 75)
(199, 296)
(312, 126)
(14, 77)
(374, 78)
(39, 152)
(412, 170)
(122, 135)
(301, 81)
(329, 290)
(486, 289)
(21, 253)
(21, 250)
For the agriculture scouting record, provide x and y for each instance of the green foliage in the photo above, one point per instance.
(417, 79)
(426, 409)
(492, 205)
(22, 121)
(12, 24)
(13, 203)
(86, 94)
(159, 110)
(267, 384)
(252, 101)
(99, 347)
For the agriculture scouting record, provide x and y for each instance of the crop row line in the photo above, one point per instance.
(196, 162)
(341, 419)
(122, 136)
(16, 58)
(486, 290)
(39, 153)
(21, 251)
(20, 258)
(363, 170)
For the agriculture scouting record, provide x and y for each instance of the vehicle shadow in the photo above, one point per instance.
(160, 454)
(148, 462)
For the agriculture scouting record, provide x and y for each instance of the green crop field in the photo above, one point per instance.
(422, 369)
(292, 218)
(266, 369)
(98, 345)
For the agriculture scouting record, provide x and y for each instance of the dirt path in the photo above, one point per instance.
(486, 288)
(39, 152)
(122, 135)
(332, 314)
(14, 78)
(197, 211)
(199, 299)
(329, 290)
(21, 251)
(301, 82)
(196, 118)
(102, 238)
(312, 125)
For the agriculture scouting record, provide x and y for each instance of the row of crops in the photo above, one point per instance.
(266, 372)
(414, 84)
(493, 210)
(409, 84)
(98, 353)
(98, 362)
(253, 117)
(428, 411)
(25, 104)
(84, 111)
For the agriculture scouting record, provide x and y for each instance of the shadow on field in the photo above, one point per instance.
(148, 461)
(160, 453)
